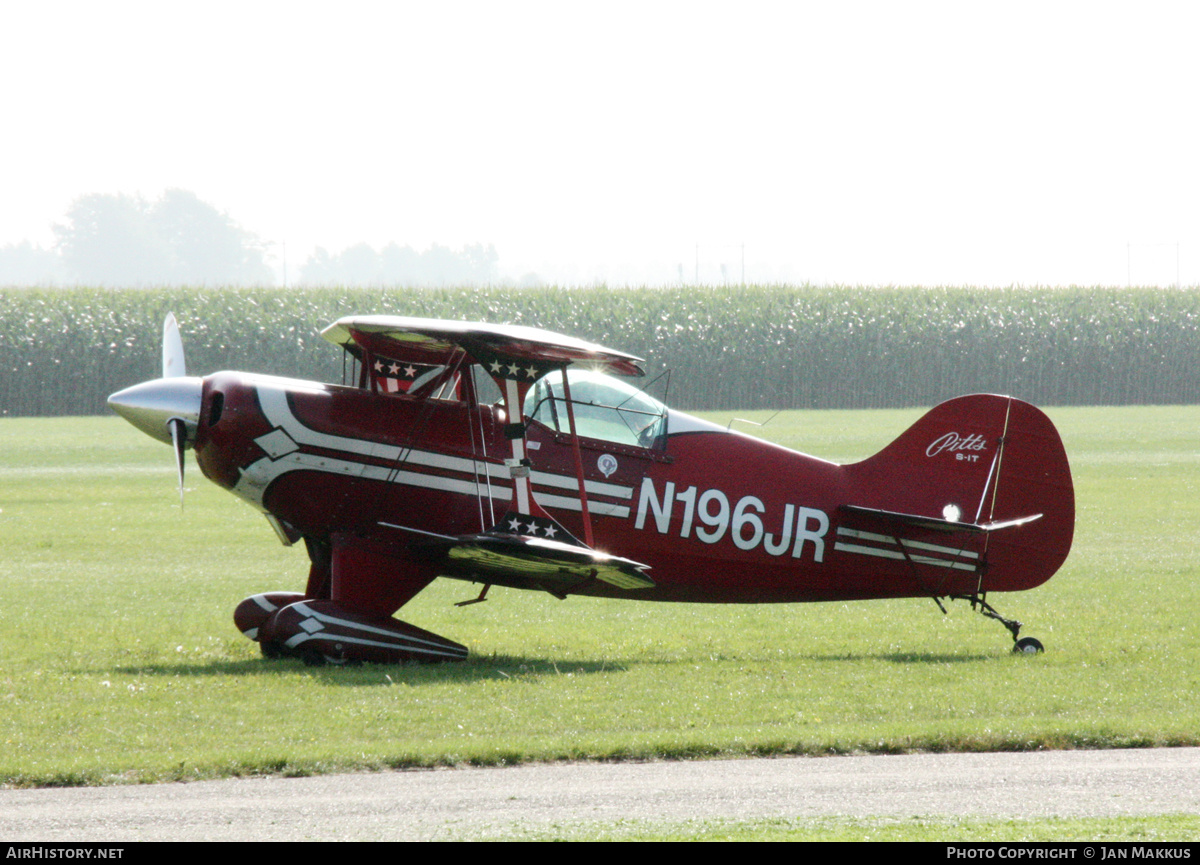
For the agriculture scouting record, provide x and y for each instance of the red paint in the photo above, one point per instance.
(380, 486)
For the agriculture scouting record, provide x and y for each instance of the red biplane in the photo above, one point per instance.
(511, 456)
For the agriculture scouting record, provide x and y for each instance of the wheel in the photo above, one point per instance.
(312, 658)
(1028, 646)
(271, 650)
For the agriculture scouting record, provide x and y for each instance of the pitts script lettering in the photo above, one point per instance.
(952, 441)
(743, 520)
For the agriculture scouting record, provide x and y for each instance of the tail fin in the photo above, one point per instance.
(990, 464)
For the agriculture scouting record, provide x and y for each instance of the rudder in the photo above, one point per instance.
(988, 461)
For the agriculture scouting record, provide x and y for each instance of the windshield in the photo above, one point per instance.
(605, 408)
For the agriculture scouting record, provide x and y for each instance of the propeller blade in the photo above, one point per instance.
(178, 441)
(167, 408)
(174, 364)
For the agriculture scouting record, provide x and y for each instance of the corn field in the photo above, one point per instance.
(62, 351)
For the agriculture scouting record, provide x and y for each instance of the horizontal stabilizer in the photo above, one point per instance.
(936, 524)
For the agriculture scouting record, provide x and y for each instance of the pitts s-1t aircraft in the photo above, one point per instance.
(510, 456)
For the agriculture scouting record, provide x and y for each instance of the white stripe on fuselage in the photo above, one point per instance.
(273, 399)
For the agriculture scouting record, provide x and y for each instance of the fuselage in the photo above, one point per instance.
(717, 515)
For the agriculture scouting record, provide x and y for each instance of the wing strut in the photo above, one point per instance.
(583, 501)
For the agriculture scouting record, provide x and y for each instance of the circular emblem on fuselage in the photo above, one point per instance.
(607, 463)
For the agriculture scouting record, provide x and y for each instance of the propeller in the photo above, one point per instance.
(167, 408)
(174, 365)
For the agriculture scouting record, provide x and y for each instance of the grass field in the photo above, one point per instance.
(121, 662)
(1172, 828)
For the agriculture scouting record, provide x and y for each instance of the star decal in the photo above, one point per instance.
(394, 368)
(410, 371)
(528, 525)
(531, 371)
(378, 366)
(495, 366)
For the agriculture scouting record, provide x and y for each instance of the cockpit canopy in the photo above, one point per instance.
(605, 408)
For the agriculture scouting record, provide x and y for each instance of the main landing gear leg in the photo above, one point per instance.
(1021, 645)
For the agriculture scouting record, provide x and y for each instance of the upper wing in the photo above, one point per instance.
(432, 340)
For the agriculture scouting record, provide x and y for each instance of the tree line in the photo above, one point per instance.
(127, 241)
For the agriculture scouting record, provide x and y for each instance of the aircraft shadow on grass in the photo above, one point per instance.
(933, 658)
(486, 668)
(478, 668)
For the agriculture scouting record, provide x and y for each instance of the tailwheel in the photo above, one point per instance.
(1022, 645)
(1028, 646)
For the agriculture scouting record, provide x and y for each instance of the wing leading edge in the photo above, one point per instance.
(436, 340)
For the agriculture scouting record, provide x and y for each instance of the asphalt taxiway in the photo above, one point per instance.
(472, 803)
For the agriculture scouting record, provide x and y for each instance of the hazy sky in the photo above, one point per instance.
(853, 142)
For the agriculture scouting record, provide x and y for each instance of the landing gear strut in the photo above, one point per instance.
(1021, 645)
